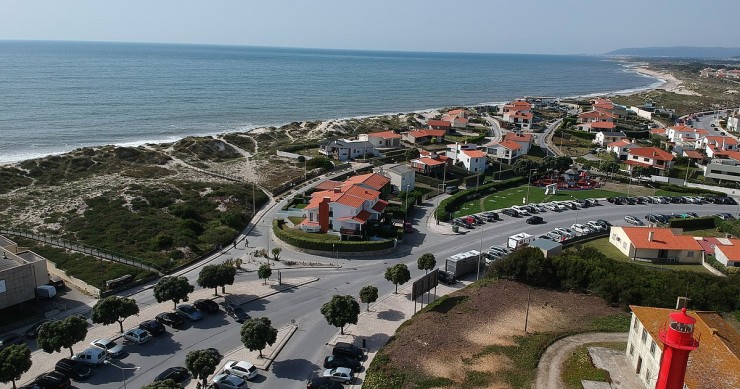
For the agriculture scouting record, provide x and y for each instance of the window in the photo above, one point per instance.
(647, 375)
(632, 349)
(636, 323)
(690, 254)
(652, 348)
(644, 335)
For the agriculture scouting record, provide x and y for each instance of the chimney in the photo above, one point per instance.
(650, 235)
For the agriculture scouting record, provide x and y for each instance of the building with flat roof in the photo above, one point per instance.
(21, 271)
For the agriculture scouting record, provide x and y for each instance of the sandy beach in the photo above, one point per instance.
(671, 83)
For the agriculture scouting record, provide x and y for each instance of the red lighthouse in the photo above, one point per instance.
(679, 341)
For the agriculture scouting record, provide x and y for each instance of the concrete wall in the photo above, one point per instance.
(19, 285)
(76, 282)
(639, 344)
(641, 113)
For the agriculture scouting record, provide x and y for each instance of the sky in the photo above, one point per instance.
(486, 26)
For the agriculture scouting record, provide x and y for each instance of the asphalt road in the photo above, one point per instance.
(304, 353)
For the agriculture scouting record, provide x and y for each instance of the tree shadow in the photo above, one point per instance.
(161, 345)
(391, 315)
(293, 368)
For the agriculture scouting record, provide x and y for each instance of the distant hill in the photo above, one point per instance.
(678, 51)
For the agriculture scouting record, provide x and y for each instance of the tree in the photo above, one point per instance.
(340, 311)
(173, 289)
(258, 333)
(426, 262)
(276, 253)
(411, 153)
(166, 384)
(398, 274)
(209, 278)
(114, 309)
(368, 294)
(264, 272)
(201, 364)
(55, 335)
(226, 275)
(14, 361)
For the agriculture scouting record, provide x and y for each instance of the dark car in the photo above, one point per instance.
(407, 227)
(10, 339)
(171, 319)
(348, 350)
(33, 331)
(333, 361)
(491, 216)
(604, 222)
(236, 312)
(56, 282)
(178, 374)
(73, 369)
(446, 278)
(535, 220)
(206, 305)
(153, 327)
(53, 380)
(510, 212)
(323, 383)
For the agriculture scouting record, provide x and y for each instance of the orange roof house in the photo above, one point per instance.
(370, 180)
(727, 252)
(439, 124)
(653, 243)
(423, 136)
(713, 365)
(649, 157)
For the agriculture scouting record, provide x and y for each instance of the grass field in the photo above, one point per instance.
(603, 245)
(579, 366)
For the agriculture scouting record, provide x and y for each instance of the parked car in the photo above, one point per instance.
(189, 312)
(242, 369)
(333, 361)
(33, 331)
(520, 210)
(206, 305)
(53, 380)
(56, 282)
(171, 319)
(236, 312)
(555, 237)
(539, 207)
(92, 356)
(322, 383)
(73, 369)
(478, 219)
(446, 278)
(153, 327)
(10, 339)
(340, 374)
(604, 222)
(136, 335)
(348, 350)
(551, 207)
(452, 189)
(594, 225)
(725, 216)
(581, 229)
(566, 232)
(510, 212)
(491, 216)
(228, 381)
(178, 374)
(633, 220)
(500, 249)
(112, 348)
(407, 227)
(535, 220)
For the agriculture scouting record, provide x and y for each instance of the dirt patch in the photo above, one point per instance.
(435, 344)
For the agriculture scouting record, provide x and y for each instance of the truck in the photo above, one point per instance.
(463, 263)
(45, 292)
(519, 240)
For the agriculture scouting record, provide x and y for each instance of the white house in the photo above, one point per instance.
(403, 178)
(605, 137)
(523, 139)
(345, 149)
(475, 161)
(717, 146)
(621, 148)
(652, 158)
(454, 149)
(728, 254)
(655, 243)
(505, 151)
(384, 139)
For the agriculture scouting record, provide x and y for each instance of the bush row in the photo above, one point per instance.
(693, 223)
(292, 148)
(454, 202)
(310, 243)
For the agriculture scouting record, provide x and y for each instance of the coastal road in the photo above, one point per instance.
(544, 140)
(304, 352)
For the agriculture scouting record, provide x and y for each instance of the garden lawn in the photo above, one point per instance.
(579, 366)
(603, 245)
(515, 196)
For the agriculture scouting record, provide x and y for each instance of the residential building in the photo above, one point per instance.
(21, 271)
(424, 136)
(504, 151)
(685, 133)
(602, 104)
(403, 178)
(724, 169)
(658, 131)
(522, 139)
(429, 166)
(621, 148)
(603, 138)
(596, 116)
(653, 243)
(727, 252)
(693, 155)
(732, 122)
(475, 161)
(522, 120)
(349, 208)
(346, 150)
(454, 149)
(717, 146)
(519, 113)
(713, 365)
(656, 160)
(596, 126)
(515, 106)
(439, 125)
(383, 139)
(457, 117)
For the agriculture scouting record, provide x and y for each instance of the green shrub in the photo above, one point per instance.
(454, 202)
(693, 223)
(320, 243)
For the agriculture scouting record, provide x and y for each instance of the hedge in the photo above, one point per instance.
(454, 202)
(581, 134)
(323, 245)
(298, 147)
(686, 189)
(693, 223)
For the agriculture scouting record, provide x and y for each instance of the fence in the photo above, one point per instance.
(81, 248)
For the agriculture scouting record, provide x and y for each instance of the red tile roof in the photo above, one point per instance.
(658, 131)
(720, 139)
(423, 133)
(438, 123)
(663, 239)
(328, 185)
(652, 152)
(714, 364)
(682, 128)
(733, 155)
(523, 115)
(619, 143)
(731, 251)
(518, 105)
(372, 180)
(513, 136)
(430, 161)
(693, 154)
(596, 114)
(362, 217)
(384, 135)
(508, 144)
(351, 201)
(380, 206)
(474, 153)
(603, 125)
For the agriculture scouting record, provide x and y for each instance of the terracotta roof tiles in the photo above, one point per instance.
(663, 239)
(652, 152)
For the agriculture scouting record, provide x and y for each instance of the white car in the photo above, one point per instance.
(112, 348)
(568, 234)
(595, 226)
(341, 374)
(562, 206)
(137, 335)
(633, 220)
(242, 369)
(522, 211)
(581, 229)
(539, 207)
(228, 381)
(551, 207)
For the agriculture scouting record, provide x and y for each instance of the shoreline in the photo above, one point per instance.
(663, 81)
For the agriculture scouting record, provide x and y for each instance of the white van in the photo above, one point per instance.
(92, 356)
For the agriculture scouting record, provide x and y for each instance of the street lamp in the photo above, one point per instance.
(406, 204)
(529, 182)
(576, 222)
(123, 370)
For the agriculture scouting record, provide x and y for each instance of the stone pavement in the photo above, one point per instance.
(241, 291)
(616, 363)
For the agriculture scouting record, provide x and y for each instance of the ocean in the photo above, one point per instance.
(59, 96)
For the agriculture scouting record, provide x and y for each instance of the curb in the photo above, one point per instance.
(287, 286)
(271, 358)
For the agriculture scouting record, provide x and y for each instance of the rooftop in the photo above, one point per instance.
(663, 239)
(652, 152)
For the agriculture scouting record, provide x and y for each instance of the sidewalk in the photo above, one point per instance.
(243, 292)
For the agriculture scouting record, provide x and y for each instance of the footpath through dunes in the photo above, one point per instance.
(476, 336)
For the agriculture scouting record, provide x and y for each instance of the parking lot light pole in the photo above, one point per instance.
(529, 183)
(576, 209)
(123, 371)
